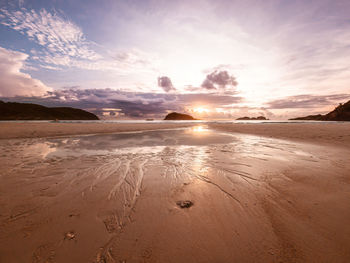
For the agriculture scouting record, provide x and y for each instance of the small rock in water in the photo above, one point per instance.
(70, 235)
(184, 204)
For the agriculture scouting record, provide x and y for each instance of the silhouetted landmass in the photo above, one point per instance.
(340, 113)
(29, 111)
(174, 116)
(260, 118)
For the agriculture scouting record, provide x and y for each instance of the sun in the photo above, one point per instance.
(200, 110)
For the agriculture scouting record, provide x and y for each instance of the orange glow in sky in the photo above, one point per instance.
(200, 110)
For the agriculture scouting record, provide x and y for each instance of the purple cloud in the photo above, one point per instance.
(307, 101)
(219, 80)
(165, 83)
(128, 104)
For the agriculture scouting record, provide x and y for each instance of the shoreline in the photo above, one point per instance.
(337, 134)
(46, 129)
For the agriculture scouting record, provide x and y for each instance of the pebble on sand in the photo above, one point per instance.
(70, 235)
(184, 204)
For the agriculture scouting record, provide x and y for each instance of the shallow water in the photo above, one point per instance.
(150, 142)
(134, 142)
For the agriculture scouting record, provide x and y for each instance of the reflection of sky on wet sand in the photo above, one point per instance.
(198, 130)
(41, 149)
(200, 157)
(269, 148)
(196, 141)
(124, 143)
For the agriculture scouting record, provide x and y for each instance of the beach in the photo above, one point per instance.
(327, 133)
(12, 130)
(174, 192)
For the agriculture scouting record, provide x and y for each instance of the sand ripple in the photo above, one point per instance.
(253, 199)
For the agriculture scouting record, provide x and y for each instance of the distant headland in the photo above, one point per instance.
(174, 116)
(30, 111)
(340, 113)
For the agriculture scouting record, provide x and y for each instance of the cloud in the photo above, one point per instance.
(63, 43)
(236, 111)
(13, 81)
(165, 83)
(58, 35)
(307, 101)
(127, 104)
(219, 80)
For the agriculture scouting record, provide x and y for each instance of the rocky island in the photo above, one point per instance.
(174, 116)
(30, 111)
(260, 118)
(340, 113)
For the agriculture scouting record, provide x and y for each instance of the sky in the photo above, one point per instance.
(140, 59)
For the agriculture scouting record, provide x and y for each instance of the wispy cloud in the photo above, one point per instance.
(50, 30)
(65, 45)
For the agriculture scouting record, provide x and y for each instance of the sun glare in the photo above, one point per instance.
(199, 129)
(200, 110)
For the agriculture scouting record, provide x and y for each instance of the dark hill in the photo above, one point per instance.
(29, 111)
(174, 116)
(340, 113)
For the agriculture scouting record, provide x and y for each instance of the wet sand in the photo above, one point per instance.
(12, 130)
(327, 133)
(113, 198)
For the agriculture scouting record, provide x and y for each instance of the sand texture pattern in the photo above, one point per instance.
(187, 195)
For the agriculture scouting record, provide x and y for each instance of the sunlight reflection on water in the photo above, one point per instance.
(126, 143)
(199, 129)
(41, 149)
(195, 141)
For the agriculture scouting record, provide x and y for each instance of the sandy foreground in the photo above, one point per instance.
(281, 196)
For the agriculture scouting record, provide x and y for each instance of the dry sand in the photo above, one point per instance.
(113, 197)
